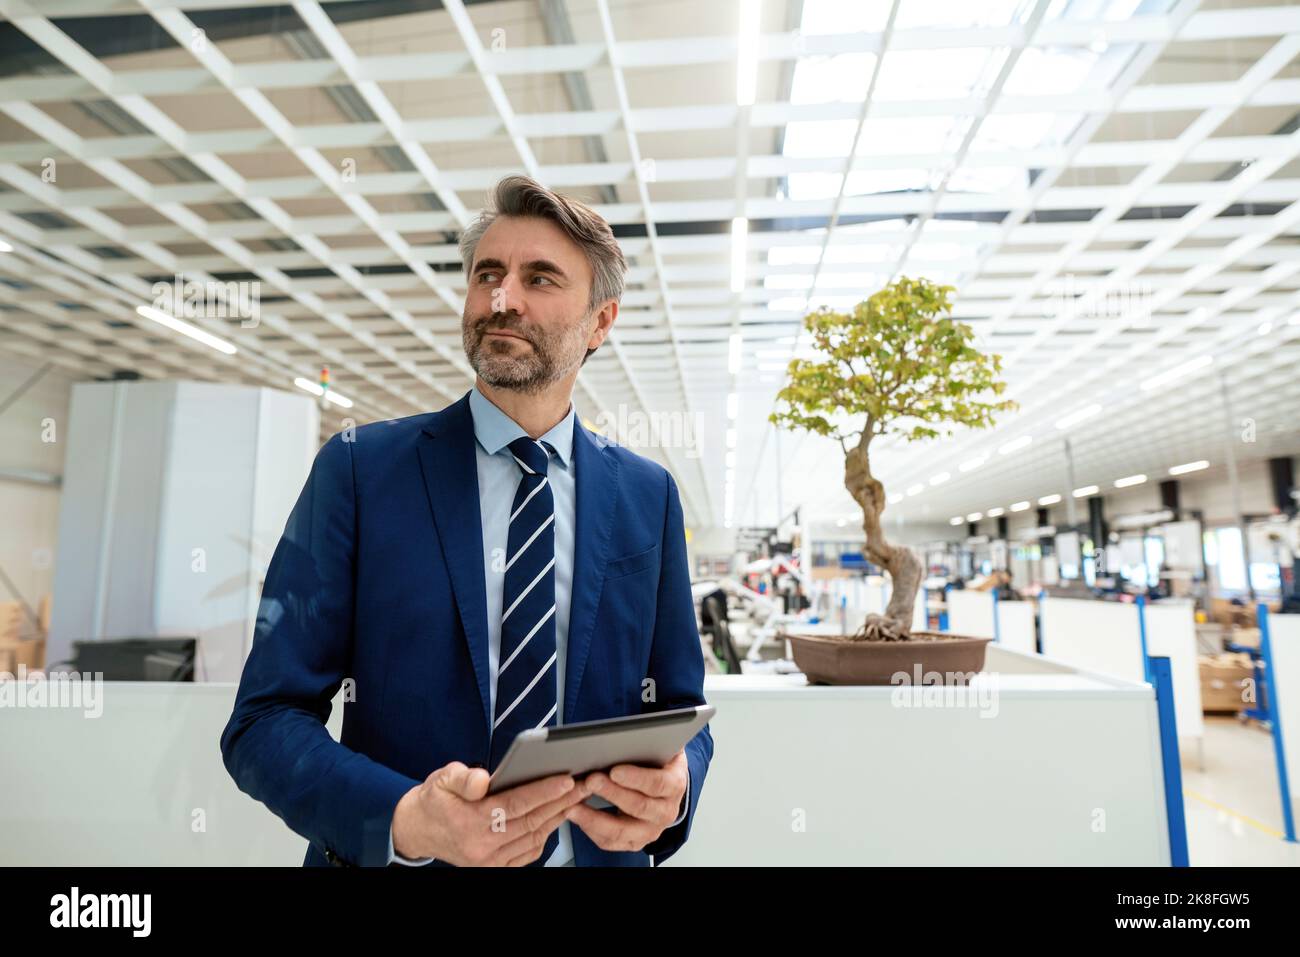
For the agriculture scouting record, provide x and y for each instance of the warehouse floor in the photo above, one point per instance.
(1234, 812)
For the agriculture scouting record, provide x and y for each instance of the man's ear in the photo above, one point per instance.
(604, 322)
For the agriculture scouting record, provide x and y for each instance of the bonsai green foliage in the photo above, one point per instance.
(897, 363)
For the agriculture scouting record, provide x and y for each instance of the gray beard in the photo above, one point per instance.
(494, 364)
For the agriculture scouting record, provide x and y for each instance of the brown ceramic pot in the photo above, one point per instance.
(928, 658)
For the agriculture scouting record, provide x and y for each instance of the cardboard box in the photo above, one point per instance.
(29, 653)
(1234, 616)
(11, 621)
(1210, 638)
(1227, 682)
(826, 572)
(1246, 637)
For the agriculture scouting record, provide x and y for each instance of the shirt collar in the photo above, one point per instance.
(495, 430)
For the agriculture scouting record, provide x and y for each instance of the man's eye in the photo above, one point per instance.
(487, 277)
(545, 279)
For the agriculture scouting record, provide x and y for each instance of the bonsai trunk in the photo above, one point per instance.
(903, 566)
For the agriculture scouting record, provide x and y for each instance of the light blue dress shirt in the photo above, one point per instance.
(498, 479)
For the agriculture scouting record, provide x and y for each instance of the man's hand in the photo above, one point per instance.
(650, 799)
(452, 818)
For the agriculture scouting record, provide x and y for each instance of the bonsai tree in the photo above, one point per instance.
(896, 365)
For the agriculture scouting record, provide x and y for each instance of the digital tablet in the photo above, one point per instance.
(649, 740)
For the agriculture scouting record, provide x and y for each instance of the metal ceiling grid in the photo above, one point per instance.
(227, 156)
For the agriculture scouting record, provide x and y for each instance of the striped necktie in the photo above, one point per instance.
(526, 675)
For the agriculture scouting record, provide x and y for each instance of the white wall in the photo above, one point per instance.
(801, 775)
(29, 512)
(1213, 494)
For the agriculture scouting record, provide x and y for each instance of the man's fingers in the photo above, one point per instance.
(526, 847)
(518, 801)
(538, 817)
(636, 803)
(611, 833)
(465, 782)
(657, 782)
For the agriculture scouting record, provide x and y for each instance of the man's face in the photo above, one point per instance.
(527, 323)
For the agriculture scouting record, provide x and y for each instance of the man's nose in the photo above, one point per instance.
(508, 295)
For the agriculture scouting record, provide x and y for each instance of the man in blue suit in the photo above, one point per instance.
(466, 574)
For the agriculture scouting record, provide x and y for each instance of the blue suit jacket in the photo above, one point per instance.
(378, 578)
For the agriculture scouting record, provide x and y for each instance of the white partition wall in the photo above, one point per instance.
(123, 788)
(174, 496)
(1284, 643)
(920, 616)
(1016, 628)
(881, 789)
(1017, 772)
(874, 595)
(1099, 636)
(1171, 633)
(971, 613)
(1106, 636)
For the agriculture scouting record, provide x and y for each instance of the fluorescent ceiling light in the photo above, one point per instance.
(739, 237)
(733, 405)
(940, 478)
(1189, 467)
(1265, 328)
(895, 498)
(1074, 418)
(972, 464)
(974, 516)
(1177, 372)
(5, 247)
(1015, 445)
(330, 395)
(1086, 491)
(916, 489)
(1130, 480)
(733, 353)
(1049, 500)
(194, 332)
(995, 512)
(955, 520)
(1019, 506)
(747, 52)
(731, 438)
(730, 458)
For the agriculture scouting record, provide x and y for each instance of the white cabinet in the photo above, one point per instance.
(174, 496)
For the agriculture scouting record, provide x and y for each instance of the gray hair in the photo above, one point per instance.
(522, 196)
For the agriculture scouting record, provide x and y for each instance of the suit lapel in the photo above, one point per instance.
(597, 495)
(450, 471)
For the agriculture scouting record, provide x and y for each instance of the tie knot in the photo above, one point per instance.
(532, 457)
